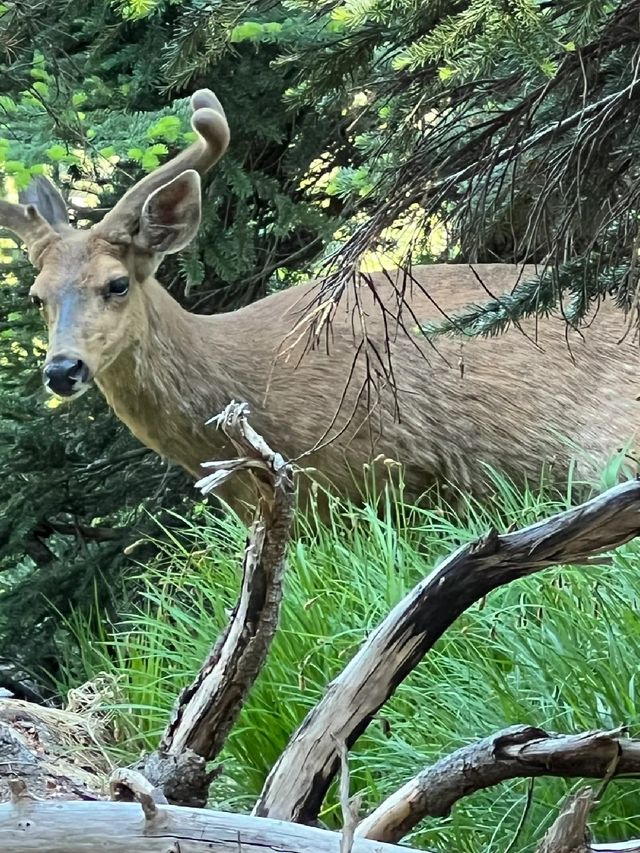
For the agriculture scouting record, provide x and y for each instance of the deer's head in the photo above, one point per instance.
(90, 283)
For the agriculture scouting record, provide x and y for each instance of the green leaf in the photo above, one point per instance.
(40, 74)
(272, 28)
(168, 128)
(8, 104)
(79, 98)
(22, 179)
(247, 31)
(29, 100)
(13, 167)
(56, 152)
(132, 10)
(135, 154)
(149, 161)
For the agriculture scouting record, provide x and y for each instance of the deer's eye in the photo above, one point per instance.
(118, 286)
(37, 302)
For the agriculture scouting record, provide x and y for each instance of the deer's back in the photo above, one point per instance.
(513, 402)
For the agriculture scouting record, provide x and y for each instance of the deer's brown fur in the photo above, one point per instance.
(514, 405)
(504, 402)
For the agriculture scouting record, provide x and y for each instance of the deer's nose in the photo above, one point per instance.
(64, 375)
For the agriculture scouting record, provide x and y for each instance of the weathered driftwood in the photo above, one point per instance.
(518, 751)
(569, 833)
(299, 781)
(207, 709)
(29, 826)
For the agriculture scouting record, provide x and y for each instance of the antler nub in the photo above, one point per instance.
(210, 122)
(206, 99)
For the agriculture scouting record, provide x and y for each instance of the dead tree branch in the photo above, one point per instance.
(515, 752)
(297, 785)
(30, 826)
(350, 807)
(568, 833)
(207, 709)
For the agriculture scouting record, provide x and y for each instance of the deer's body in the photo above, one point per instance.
(502, 402)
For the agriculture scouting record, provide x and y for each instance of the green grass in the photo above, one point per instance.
(558, 650)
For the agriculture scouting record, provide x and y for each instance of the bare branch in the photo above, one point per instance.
(350, 808)
(519, 751)
(126, 785)
(207, 709)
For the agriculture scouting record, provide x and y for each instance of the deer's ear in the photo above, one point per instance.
(42, 194)
(170, 217)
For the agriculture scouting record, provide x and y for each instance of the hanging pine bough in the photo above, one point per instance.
(515, 129)
(151, 807)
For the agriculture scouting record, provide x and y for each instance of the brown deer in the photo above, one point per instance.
(516, 404)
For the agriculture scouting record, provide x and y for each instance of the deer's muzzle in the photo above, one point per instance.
(65, 376)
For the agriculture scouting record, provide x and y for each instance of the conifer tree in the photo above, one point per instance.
(511, 124)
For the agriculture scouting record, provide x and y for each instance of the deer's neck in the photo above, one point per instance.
(171, 380)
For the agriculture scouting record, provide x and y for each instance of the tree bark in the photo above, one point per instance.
(519, 751)
(568, 833)
(297, 785)
(207, 709)
(29, 826)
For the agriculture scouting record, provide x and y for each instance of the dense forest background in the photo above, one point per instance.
(375, 130)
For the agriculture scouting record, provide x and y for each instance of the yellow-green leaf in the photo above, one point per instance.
(249, 30)
(445, 73)
(56, 152)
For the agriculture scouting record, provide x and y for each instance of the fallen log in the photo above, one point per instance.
(30, 826)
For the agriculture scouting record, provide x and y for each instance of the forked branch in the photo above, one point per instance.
(297, 785)
(208, 708)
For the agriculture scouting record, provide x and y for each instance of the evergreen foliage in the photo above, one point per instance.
(514, 123)
(86, 100)
(357, 126)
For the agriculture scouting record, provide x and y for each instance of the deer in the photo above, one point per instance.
(537, 395)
